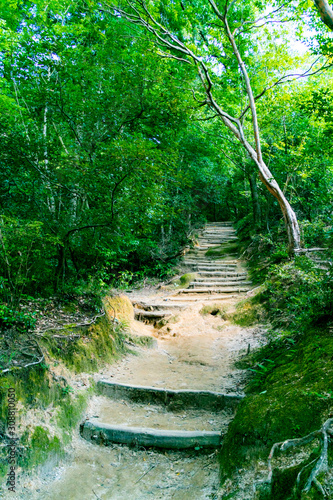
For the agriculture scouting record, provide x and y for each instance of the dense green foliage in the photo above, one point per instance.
(103, 171)
(106, 164)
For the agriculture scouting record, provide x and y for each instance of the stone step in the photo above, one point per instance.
(208, 284)
(224, 238)
(216, 268)
(151, 315)
(224, 279)
(221, 274)
(121, 412)
(208, 247)
(224, 223)
(208, 299)
(221, 230)
(215, 290)
(216, 240)
(212, 242)
(101, 433)
(217, 262)
(174, 419)
(221, 269)
(217, 236)
(212, 263)
(172, 399)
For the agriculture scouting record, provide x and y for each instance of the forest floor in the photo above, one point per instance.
(195, 348)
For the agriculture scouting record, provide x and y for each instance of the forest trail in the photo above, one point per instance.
(179, 394)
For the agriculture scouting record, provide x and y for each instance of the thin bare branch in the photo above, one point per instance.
(288, 78)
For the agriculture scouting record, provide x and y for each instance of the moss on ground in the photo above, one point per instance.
(97, 343)
(228, 248)
(185, 280)
(248, 312)
(76, 350)
(39, 446)
(290, 396)
(214, 310)
(140, 340)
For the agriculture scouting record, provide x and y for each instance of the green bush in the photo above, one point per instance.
(298, 294)
(12, 318)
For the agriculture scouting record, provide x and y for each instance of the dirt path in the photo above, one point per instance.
(193, 351)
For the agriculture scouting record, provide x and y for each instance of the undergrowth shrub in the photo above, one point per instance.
(298, 294)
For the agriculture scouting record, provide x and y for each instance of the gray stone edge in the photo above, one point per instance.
(106, 434)
(206, 400)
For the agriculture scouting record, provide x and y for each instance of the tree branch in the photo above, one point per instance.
(284, 79)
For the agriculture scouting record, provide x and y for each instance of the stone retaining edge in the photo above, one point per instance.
(138, 436)
(207, 400)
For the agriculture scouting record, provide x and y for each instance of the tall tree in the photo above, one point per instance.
(218, 41)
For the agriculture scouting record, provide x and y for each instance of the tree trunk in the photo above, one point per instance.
(169, 41)
(255, 198)
(290, 219)
(325, 11)
(60, 270)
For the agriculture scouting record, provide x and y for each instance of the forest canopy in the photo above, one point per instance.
(125, 126)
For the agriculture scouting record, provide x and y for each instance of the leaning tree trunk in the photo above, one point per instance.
(290, 219)
(266, 176)
(325, 12)
(255, 199)
(140, 14)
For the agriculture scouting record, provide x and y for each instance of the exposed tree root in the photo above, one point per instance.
(19, 349)
(75, 325)
(318, 465)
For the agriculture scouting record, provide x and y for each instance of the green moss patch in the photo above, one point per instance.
(248, 312)
(290, 395)
(139, 340)
(185, 280)
(229, 248)
(214, 310)
(83, 349)
(78, 349)
(39, 446)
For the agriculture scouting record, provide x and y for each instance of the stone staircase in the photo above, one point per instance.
(174, 419)
(159, 418)
(219, 275)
